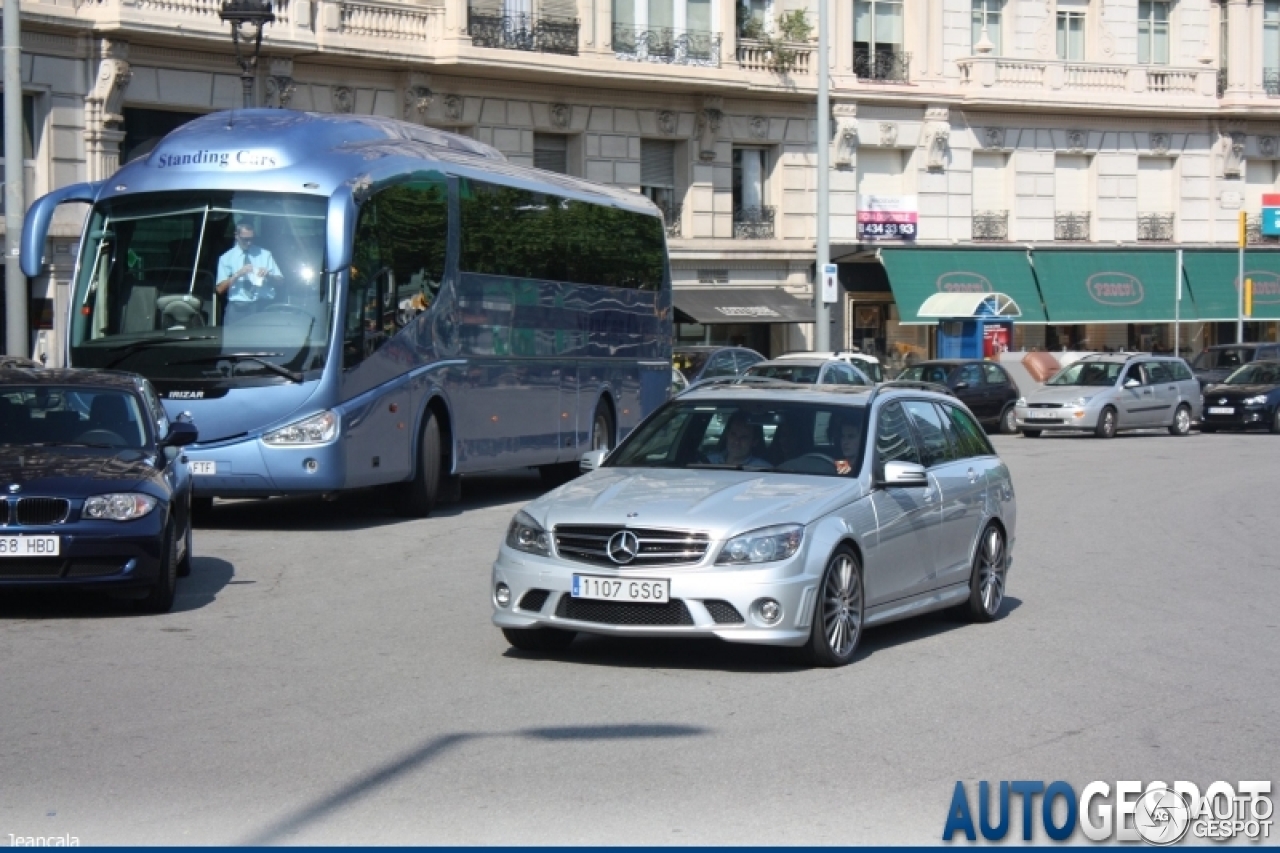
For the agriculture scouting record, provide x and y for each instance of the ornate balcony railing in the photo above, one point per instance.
(1019, 77)
(887, 66)
(1071, 226)
(991, 225)
(1271, 82)
(753, 223)
(792, 57)
(671, 218)
(1253, 232)
(667, 45)
(1155, 227)
(523, 32)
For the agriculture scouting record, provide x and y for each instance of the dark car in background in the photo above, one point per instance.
(94, 490)
(1216, 363)
(983, 386)
(709, 362)
(1248, 399)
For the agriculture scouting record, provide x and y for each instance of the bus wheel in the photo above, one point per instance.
(602, 430)
(420, 494)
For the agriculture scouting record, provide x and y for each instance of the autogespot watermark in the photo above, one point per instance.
(1157, 813)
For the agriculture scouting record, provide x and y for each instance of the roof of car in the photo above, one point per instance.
(708, 348)
(1122, 357)
(69, 376)
(1248, 345)
(948, 362)
(847, 394)
(791, 362)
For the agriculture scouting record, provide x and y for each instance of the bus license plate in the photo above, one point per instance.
(203, 469)
(621, 589)
(29, 546)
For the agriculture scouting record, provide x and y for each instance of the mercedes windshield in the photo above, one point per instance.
(220, 286)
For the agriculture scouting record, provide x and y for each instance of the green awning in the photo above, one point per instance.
(1211, 278)
(1110, 287)
(917, 274)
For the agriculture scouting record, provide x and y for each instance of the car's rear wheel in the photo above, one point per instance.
(837, 615)
(418, 496)
(159, 597)
(1106, 427)
(986, 582)
(1275, 420)
(1009, 420)
(539, 639)
(1030, 433)
(1181, 421)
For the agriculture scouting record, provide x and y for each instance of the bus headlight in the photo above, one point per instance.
(317, 429)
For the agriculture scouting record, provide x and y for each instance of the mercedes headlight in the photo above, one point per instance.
(317, 429)
(527, 535)
(1260, 400)
(766, 545)
(125, 506)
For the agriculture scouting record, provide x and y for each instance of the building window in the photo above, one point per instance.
(986, 16)
(1073, 201)
(752, 218)
(29, 139)
(1071, 35)
(990, 196)
(1153, 32)
(753, 17)
(1224, 47)
(658, 180)
(144, 128)
(878, 40)
(1155, 199)
(672, 31)
(551, 152)
(1271, 47)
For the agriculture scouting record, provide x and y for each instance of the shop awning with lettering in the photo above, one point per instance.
(917, 274)
(740, 305)
(1211, 280)
(1110, 287)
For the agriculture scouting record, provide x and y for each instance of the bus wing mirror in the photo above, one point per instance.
(342, 217)
(35, 227)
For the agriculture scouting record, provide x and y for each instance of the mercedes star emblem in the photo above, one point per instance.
(623, 547)
(14, 488)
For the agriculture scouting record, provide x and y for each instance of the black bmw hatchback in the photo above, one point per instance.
(94, 490)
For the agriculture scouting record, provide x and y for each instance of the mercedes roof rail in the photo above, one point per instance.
(908, 385)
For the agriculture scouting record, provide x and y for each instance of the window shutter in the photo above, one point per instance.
(563, 9)
(658, 163)
(551, 152)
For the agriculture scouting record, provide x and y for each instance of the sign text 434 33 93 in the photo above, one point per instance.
(887, 217)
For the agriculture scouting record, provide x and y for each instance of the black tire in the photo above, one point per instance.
(1181, 424)
(838, 612)
(184, 566)
(1008, 421)
(1275, 420)
(603, 430)
(1031, 433)
(990, 571)
(539, 639)
(1106, 427)
(159, 597)
(419, 496)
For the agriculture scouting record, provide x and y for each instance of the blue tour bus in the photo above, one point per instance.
(349, 301)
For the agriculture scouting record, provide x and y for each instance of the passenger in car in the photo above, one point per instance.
(845, 435)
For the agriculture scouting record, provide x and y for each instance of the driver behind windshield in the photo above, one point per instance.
(246, 274)
(741, 438)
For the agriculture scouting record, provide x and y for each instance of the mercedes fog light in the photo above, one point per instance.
(768, 611)
(502, 594)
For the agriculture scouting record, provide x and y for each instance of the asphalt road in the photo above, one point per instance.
(330, 675)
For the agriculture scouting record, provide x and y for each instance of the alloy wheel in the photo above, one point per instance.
(991, 569)
(1182, 421)
(842, 607)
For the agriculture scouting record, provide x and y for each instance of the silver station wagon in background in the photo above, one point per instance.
(1106, 393)
(782, 515)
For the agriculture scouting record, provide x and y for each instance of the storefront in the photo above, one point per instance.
(762, 318)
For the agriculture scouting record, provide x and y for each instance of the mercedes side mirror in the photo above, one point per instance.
(180, 434)
(591, 460)
(904, 475)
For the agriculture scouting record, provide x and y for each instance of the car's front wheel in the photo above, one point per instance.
(1181, 422)
(159, 597)
(1009, 421)
(986, 582)
(184, 565)
(838, 612)
(539, 639)
(1106, 427)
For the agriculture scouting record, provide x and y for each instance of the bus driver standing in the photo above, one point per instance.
(244, 271)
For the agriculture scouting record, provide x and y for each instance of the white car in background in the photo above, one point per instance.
(868, 364)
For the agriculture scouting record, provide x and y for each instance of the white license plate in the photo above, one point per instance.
(621, 589)
(29, 546)
(1043, 414)
(203, 469)
(1222, 410)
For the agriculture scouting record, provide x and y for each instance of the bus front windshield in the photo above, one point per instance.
(223, 286)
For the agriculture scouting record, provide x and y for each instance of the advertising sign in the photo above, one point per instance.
(1271, 214)
(887, 217)
(830, 283)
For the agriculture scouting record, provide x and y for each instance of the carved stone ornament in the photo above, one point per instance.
(846, 134)
(280, 89)
(1160, 143)
(709, 118)
(453, 105)
(937, 135)
(888, 134)
(417, 99)
(993, 137)
(1076, 140)
(560, 115)
(1267, 146)
(759, 127)
(667, 121)
(103, 109)
(1233, 154)
(344, 99)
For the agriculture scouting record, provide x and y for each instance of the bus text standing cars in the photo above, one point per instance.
(349, 301)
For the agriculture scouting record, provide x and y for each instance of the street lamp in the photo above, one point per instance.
(247, 18)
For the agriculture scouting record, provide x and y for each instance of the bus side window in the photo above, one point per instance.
(362, 293)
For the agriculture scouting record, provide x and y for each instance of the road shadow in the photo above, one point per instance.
(364, 509)
(208, 577)
(415, 759)
(709, 653)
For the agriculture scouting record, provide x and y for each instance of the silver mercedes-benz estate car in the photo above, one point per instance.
(784, 515)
